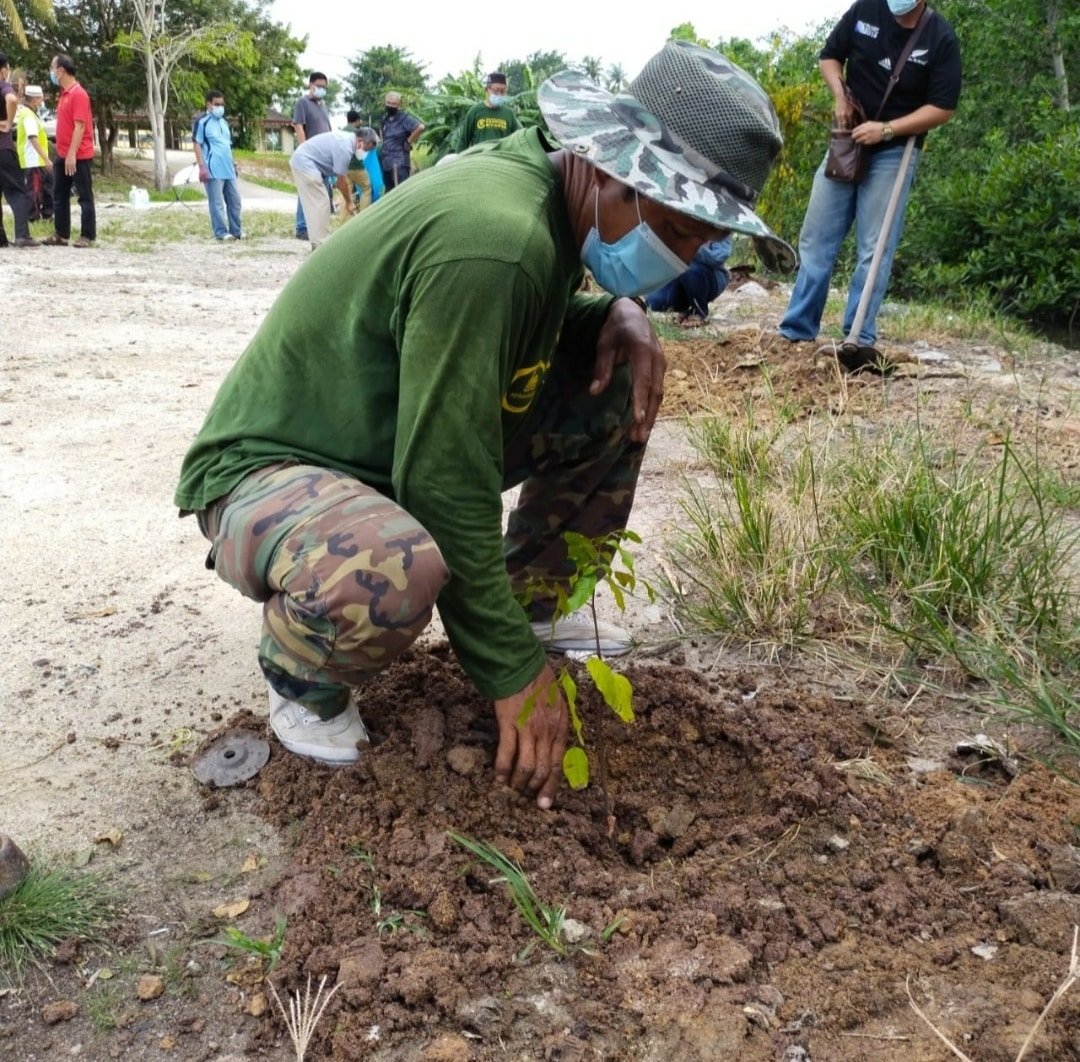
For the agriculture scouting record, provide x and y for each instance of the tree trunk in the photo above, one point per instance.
(1057, 56)
(155, 108)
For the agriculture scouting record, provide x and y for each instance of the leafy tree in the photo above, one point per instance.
(274, 79)
(9, 13)
(616, 78)
(544, 64)
(379, 70)
(592, 68)
(162, 41)
(685, 32)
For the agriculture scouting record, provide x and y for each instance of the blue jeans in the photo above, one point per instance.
(224, 199)
(833, 207)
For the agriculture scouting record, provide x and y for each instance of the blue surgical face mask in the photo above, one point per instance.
(636, 264)
(53, 78)
(218, 111)
(320, 92)
(902, 7)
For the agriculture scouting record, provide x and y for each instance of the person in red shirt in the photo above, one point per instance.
(75, 153)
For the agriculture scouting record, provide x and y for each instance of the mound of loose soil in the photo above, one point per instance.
(766, 902)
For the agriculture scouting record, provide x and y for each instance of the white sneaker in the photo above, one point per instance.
(575, 634)
(301, 731)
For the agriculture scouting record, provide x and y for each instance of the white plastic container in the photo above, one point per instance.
(139, 198)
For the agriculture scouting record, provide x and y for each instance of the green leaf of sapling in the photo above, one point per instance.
(616, 690)
(575, 765)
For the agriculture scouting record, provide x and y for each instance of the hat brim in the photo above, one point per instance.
(619, 136)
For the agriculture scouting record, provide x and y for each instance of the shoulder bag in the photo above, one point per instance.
(847, 159)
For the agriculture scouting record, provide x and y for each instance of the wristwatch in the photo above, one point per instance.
(887, 133)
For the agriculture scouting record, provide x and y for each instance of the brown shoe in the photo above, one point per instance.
(82, 241)
(54, 241)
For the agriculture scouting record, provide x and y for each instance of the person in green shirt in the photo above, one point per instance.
(439, 351)
(490, 120)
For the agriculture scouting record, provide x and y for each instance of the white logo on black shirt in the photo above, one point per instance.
(885, 64)
(866, 29)
(920, 56)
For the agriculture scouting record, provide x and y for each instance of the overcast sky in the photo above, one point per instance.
(446, 36)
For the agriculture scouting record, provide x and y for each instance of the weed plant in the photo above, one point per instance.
(52, 904)
(545, 920)
(266, 949)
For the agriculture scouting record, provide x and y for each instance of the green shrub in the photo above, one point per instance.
(1010, 229)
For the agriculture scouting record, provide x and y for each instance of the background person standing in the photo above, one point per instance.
(75, 153)
(490, 120)
(212, 140)
(864, 46)
(32, 147)
(400, 130)
(310, 118)
(11, 177)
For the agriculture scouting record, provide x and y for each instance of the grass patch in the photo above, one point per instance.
(893, 544)
(105, 1005)
(52, 904)
(272, 182)
(144, 230)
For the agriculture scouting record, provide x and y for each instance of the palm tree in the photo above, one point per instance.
(616, 78)
(592, 68)
(9, 13)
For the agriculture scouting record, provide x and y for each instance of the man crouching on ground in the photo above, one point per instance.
(439, 351)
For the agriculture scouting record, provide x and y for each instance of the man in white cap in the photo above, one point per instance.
(438, 351)
(32, 148)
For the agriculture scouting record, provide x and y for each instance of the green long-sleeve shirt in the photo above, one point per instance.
(407, 352)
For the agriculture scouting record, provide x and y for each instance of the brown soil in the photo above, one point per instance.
(765, 900)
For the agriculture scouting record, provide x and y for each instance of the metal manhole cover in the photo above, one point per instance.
(230, 758)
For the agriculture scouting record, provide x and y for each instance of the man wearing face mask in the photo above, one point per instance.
(400, 130)
(864, 47)
(490, 120)
(316, 165)
(439, 351)
(310, 118)
(212, 140)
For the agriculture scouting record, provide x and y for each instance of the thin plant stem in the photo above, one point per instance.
(601, 740)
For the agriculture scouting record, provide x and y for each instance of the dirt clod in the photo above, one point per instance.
(150, 986)
(61, 1010)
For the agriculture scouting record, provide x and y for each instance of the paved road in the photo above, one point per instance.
(253, 196)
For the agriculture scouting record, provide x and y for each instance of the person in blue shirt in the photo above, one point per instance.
(368, 155)
(212, 140)
(690, 293)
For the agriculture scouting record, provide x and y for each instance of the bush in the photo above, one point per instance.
(1011, 229)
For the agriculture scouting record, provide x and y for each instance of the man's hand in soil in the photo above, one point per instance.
(529, 758)
(628, 336)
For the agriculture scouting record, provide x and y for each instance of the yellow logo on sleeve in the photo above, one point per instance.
(524, 386)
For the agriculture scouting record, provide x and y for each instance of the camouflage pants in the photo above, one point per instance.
(348, 579)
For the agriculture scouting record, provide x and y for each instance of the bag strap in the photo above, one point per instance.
(904, 54)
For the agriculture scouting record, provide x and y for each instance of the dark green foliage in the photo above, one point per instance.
(374, 73)
(1011, 227)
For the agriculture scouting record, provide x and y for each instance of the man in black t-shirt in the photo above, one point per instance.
(863, 46)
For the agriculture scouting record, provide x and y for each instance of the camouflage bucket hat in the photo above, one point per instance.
(694, 132)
